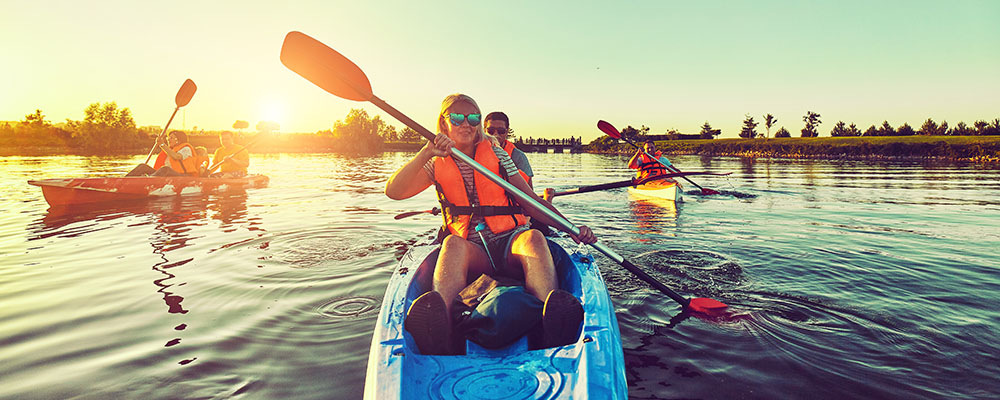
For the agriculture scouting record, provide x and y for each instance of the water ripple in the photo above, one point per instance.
(349, 308)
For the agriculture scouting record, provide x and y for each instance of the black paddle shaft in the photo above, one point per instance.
(594, 188)
(630, 182)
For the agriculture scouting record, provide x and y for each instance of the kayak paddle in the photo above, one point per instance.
(630, 182)
(607, 128)
(331, 71)
(433, 211)
(183, 97)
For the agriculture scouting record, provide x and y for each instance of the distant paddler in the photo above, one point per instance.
(647, 166)
(176, 158)
(230, 158)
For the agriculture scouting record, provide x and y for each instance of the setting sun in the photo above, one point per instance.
(272, 110)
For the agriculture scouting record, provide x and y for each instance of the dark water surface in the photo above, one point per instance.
(845, 280)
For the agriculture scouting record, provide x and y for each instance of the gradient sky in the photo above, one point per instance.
(556, 68)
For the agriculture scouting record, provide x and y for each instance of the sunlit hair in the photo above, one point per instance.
(224, 133)
(462, 98)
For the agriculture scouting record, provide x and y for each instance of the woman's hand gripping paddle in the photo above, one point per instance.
(610, 130)
(334, 73)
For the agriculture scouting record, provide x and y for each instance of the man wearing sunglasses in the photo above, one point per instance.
(498, 125)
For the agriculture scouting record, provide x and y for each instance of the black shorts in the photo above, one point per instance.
(498, 248)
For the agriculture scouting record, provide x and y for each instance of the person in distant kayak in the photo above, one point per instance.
(234, 160)
(176, 158)
(504, 246)
(648, 167)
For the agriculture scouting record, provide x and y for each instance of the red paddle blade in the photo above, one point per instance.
(706, 305)
(325, 67)
(185, 93)
(607, 128)
(709, 191)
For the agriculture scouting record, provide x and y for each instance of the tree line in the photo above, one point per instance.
(641, 134)
(812, 121)
(108, 128)
(104, 128)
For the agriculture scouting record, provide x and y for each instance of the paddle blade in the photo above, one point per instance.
(324, 67)
(408, 214)
(706, 305)
(706, 191)
(434, 211)
(185, 93)
(607, 128)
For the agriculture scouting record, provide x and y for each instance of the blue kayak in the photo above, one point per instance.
(592, 367)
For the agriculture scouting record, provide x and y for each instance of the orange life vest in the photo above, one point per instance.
(650, 167)
(509, 148)
(236, 152)
(498, 209)
(188, 166)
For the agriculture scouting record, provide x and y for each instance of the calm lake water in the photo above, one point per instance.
(845, 279)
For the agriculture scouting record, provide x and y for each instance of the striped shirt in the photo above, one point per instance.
(470, 187)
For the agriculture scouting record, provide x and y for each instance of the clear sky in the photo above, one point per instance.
(556, 67)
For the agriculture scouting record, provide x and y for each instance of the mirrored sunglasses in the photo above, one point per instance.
(457, 119)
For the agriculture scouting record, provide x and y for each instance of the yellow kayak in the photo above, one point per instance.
(667, 189)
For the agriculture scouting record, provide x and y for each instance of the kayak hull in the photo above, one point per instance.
(65, 192)
(592, 367)
(667, 190)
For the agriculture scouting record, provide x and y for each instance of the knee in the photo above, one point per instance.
(456, 247)
(454, 256)
(531, 243)
(452, 243)
(534, 238)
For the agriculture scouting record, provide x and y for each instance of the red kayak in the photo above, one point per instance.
(63, 192)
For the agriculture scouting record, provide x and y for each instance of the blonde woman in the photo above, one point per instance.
(503, 245)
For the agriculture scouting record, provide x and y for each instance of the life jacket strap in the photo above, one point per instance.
(483, 211)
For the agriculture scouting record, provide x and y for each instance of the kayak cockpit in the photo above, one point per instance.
(593, 366)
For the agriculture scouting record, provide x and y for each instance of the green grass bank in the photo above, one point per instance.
(980, 149)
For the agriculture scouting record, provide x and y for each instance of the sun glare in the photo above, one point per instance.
(272, 110)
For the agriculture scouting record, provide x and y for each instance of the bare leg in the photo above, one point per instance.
(141, 170)
(530, 251)
(459, 259)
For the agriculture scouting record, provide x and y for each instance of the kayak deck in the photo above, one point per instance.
(592, 367)
(63, 192)
(662, 189)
